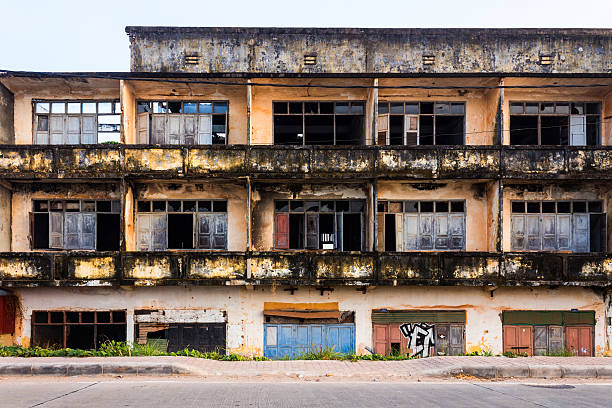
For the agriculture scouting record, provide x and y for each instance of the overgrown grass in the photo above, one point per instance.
(512, 354)
(561, 353)
(118, 349)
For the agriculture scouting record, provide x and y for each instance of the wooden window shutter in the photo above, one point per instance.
(549, 233)
(517, 230)
(399, 232)
(312, 231)
(577, 130)
(555, 339)
(534, 235)
(143, 128)
(174, 130)
(441, 231)
(411, 232)
(382, 123)
(205, 228)
(412, 130)
(581, 233)
(158, 230)
(72, 230)
(56, 230)
(220, 231)
(380, 231)
(188, 131)
(57, 124)
(426, 231)
(205, 129)
(457, 339)
(143, 232)
(88, 231)
(564, 232)
(41, 127)
(158, 129)
(89, 131)
(281, 231)
(456, 230)
(540, 340)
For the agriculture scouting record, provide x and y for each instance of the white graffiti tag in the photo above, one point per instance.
(421, 338)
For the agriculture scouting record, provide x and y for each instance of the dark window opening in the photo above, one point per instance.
(524, 130)
(598, 232)
(320, 129)
(449, 130)
(396, 130)
(349, 130)
(296, 231)
(108, 232)
(554, 130)
(180, 231)
(426, 134)
(390, 244)
(288, 130)
(351, 234)
(41, 231)
(326, 231)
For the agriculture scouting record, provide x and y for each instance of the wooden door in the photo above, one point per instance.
(381, 338)
(580, 340)
(518, 339)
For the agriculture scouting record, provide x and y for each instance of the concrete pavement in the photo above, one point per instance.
(486, 367)
(187, 393)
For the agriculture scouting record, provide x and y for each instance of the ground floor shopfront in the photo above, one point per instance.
(272, 321)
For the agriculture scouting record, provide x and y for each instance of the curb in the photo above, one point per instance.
(81, 369)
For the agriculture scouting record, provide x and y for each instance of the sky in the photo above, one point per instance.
(82, 35)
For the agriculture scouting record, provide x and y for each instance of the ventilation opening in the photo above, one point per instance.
(310, 59)
(546, 59)
(192, 59)
(429, 59)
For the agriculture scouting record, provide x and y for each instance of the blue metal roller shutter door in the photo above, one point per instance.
(293, 339)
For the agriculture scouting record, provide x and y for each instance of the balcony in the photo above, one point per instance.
(303, 268)
(299, 162)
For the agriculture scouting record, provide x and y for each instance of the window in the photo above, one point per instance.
(181, 224)
(420, 123)
(83, 330)
(77, 122)
(319, 123)
(421, 225)
(576, 226)
(183, 122)
(555, 123)
(306, 224)
(76, 224)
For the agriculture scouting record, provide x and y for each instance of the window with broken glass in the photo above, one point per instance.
(574, 226)
(555, 123)
(319, 123)
(421, 123)
(181, 224)
(76, 224)
(77, 122)
(182, 122)
(331, 224)
(421, 225)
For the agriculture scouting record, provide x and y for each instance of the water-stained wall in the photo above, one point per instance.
(368, 50)
(7, 127)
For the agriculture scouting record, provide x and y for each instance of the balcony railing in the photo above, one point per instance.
(311, 162)
(303, 268)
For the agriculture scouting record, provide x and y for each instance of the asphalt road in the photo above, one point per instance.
(189, 393)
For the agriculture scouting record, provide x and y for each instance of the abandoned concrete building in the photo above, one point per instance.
(269, 190)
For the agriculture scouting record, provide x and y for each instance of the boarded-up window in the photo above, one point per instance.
(183, 122)
(558, 226)
(76, 224)
(77, 122)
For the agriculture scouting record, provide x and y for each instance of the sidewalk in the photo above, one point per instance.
(487, 367)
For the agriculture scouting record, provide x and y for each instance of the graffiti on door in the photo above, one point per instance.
(420, 338)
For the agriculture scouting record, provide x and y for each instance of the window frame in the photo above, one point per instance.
(198, 102)
(405, 115)
(116, 110)
(303, 114)
(541, 114)
(195, 219)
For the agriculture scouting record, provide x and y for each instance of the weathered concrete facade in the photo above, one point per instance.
(201, 213)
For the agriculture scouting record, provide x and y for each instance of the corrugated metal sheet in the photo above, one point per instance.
(544, 318)
(291, 340)
(419, 316)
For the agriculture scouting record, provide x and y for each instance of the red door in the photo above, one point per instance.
(579, 340)
(381, 338)
(518, 339)
(7, 314)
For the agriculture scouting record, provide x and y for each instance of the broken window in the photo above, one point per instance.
(76, 224)
(77, 122)
(77, 329)
(576, 226)
(183, 122)
(555, 123)
(421, 123)
(329, 224)
(421, 225)
(181, 224)
(319, 123)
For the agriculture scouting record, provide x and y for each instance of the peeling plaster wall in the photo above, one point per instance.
(262, 129)
(234, 193)
(7, 127)
(128, 113)
(245, 318)
(263, 206)
(596, 94)
(5, 219)
(235, 95)
(480, 106)
(23, 194)
(476, 204)
(368, 50)
(563, 191)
